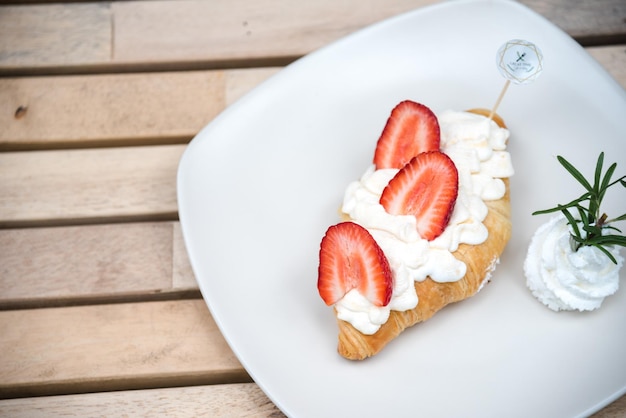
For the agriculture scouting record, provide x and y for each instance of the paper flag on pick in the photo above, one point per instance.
(519, 61)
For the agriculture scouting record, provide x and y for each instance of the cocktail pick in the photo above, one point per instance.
(518, 61)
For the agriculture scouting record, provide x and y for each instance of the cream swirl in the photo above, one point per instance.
(477, 147)
(565, 280)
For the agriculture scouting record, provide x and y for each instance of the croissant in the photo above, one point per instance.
(480, 260)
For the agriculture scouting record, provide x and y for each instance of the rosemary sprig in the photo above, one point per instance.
(590, 223)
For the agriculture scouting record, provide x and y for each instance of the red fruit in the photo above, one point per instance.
(427, 187)
(350, 259)
(411, 129)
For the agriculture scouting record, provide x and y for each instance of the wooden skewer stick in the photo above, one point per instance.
(495, 107)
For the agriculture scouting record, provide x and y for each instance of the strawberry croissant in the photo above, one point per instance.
(423, 228)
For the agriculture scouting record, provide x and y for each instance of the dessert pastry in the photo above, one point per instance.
(424, 227)
(571, 264)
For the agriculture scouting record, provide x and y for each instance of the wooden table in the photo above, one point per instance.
(100, 313)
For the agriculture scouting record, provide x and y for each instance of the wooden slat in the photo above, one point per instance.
(124, 346)
(87, 111)
(616, 409)
(55, 35)
(108, 109)
(590, 22)
(79, 186)
(170, 34)
(239, 29)
(233, 31)
(234, 400)
(109, 347)
(95, 264)
(95, 110)
(193, 34)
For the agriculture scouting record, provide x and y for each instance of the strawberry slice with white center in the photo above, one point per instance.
(411, 129)
(427, 188)
(350, 259)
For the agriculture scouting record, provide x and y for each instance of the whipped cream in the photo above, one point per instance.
(477, 145)
(566, 280)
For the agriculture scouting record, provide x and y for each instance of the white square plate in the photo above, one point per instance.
(258, 187)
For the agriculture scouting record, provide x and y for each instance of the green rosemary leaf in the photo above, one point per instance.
(610, 240)
(589, 226)
(621, 180)
(596, 195)
(560, 207)
(575, 173)
(606, 181)
(572, 222)
(619, 218)
(581, 214)
(608, 254)
(598, 173)
(611, 227)
(592, 230)
(545, 211)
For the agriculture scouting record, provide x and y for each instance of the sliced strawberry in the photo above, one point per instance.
(350, 259)
(427, 187)
(411, 129)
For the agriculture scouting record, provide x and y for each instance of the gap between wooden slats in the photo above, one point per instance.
(122, 346)
(136, 35)
(76, 265)
(113, 110)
